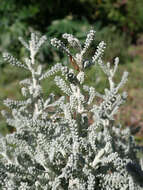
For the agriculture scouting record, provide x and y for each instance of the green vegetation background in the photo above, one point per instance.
(118, 22)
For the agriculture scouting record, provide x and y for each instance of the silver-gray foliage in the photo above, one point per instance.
(69, 143)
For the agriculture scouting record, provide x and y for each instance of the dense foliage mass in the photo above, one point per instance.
(69, 143)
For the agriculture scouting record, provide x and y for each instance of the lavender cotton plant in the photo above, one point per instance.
(76, 146)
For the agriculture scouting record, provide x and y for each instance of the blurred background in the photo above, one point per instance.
(118, 22)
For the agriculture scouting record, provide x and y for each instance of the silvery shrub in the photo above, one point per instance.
(70, 142)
